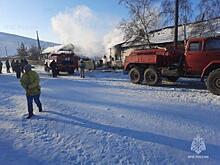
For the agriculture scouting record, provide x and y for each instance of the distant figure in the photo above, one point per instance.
(23, 63)
(46, 67)
(17, 68)
(82, 66)
(1, 67)
(54, 68)
(13, 65)
(30, 81)
(7, 66)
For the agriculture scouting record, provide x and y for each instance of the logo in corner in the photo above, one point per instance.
(198, 145)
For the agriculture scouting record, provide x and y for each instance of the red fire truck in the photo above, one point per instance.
(199, 58)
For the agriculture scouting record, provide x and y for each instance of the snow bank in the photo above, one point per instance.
(104, 119)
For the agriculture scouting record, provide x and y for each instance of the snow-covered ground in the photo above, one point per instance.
(104, 119)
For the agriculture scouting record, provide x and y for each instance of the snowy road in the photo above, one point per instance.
(104, 119)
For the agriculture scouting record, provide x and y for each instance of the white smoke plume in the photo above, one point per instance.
(112, 38)
(85, 29)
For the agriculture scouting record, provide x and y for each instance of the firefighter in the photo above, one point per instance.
(31, 83)
(53, 66)
(1, 67)
(7, 66)
(82, 66)
(17, 68)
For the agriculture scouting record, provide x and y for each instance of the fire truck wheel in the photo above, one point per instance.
(136, 75)
(72, 71)
(213, 82)
(172, 78)
(152, 76)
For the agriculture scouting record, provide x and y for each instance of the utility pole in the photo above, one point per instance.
(39, 47)
(176, 24)
(6, 52)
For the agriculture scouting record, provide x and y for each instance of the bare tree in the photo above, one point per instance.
(208, 9)
(168, 12)
(143, 19)
(207, 25)
(22, 51)
(33, 52)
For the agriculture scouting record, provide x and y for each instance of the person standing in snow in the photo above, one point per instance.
(7, 66)
(53, 66)
(17, 68)
(82, 66)
(13, 65)
(1, 67)
(30, 81)
(23, 63)
(46, 67)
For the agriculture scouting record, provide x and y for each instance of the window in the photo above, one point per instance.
(213, 44)
(117, 57)
(67, 58)
(195, 46)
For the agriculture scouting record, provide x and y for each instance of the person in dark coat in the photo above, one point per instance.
(82, 66)
(1, 67)
(17, 68)
(53, 66)
(23, 63)
(12, 65)
(7, 66)
(46, 67)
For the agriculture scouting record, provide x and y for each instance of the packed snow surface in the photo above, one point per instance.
(104, 119)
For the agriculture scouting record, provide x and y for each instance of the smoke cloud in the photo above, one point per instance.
(93, 34)
(112, 38)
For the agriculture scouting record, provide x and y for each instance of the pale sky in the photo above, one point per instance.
(91, 25)
(24, 17)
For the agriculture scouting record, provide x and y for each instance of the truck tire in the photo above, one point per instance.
(136, 75)
(172, 78)
(152, 76)
(213, 82)
(71, 71)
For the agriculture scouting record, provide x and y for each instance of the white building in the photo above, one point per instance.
(165, 36)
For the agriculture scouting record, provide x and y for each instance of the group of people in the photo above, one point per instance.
(16, 66)
(31, 83)
(54, 68)
(30, 80)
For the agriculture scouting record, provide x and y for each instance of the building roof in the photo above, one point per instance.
(59, 49)
(166, 35)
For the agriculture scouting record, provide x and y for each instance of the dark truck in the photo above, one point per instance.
(66, 62)
(200, 57)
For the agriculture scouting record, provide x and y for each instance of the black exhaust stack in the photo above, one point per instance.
(176, 24)
(180, 64)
